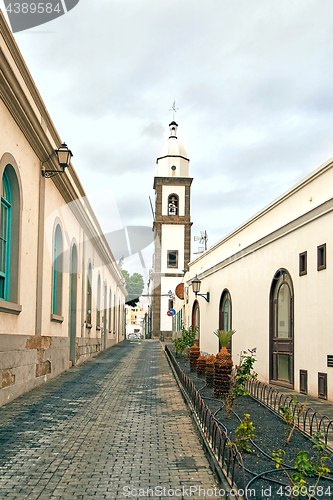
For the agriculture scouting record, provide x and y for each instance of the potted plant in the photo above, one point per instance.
(223, 364)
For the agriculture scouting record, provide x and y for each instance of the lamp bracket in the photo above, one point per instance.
(204, 295)
(51, 173)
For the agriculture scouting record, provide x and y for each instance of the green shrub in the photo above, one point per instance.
(244, 433)
(185, 342)
(305, 468)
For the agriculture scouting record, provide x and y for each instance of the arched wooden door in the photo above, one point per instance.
(72, 305)
(105, 317)
(196, 317)
(225, 315)
(282, 329)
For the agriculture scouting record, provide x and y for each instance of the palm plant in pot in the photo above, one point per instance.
(223, 364)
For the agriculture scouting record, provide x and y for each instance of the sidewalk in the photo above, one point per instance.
(320, 405)
(98, 431)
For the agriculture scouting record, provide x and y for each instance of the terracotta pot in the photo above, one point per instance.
(194, 354)
(223, 367)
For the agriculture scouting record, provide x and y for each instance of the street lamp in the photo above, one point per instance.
(64, 157)
(196, 283)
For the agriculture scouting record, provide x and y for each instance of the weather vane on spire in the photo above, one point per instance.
(174, 109)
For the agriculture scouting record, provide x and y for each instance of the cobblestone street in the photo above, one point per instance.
(117, 420)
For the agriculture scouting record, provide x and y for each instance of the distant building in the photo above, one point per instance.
(61, 292)
(135, 317)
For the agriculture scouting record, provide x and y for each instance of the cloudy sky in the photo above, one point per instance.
(253, 80)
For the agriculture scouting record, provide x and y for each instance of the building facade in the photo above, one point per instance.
(61, 291)
(135, 320)
(172, 227)
(272, 281)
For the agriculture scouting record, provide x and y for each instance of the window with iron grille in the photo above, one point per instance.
(302, 263)
(303, 381)
(322, 385)
(321, 257)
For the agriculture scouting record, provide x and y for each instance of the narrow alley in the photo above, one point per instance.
(102, 430)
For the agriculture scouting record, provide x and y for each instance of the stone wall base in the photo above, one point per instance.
(166, 334)
(28, 361)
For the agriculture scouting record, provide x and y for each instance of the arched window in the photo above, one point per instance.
(119, 320)
(105, 335)
(173, 203)
(196, 317)
(98, 305)
(114, 313)
(110, 307)
(57, 271)
(10, 223)
(5, 237)
(73, 305)
(281, 329)
(225, 317)
(89, 297)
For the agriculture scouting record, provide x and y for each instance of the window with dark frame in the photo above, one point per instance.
(302, 263)
(321, 257)
(5, 233)
(173, 258)
(89, 294)
(57, 272)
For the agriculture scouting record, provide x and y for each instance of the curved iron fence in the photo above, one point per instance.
(308, 420)
(226, 453)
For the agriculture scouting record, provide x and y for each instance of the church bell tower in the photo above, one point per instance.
(172, 227)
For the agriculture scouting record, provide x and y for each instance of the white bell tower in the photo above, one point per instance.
(172, 226)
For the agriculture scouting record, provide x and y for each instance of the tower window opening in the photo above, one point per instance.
(173, 202)
(172, 258)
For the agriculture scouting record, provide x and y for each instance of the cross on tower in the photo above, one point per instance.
(174, 109)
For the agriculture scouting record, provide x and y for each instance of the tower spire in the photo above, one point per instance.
(174, 109)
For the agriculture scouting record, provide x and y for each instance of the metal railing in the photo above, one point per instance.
(226, 453)
(308, 420)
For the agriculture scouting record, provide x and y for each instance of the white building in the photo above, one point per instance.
(272, 281)
(61, 291)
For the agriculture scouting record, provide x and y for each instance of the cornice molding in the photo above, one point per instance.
(26, 75)
(293, 225)
(172, 181)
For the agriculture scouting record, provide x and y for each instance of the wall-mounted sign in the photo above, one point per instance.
(180, 291)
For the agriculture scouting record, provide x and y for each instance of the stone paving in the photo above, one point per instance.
(103, 430)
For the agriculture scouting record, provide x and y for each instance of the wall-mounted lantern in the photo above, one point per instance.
(196, 283)
(64, 157)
